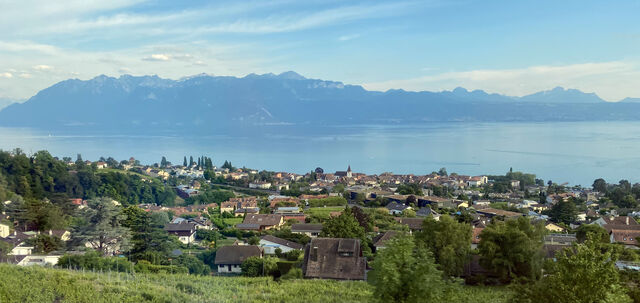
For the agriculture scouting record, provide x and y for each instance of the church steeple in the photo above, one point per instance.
(349, 175)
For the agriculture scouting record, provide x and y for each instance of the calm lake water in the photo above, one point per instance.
(574, 152)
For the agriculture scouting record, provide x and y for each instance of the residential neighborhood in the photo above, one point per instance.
(332, 226)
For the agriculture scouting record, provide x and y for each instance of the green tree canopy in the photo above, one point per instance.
(449, 241)
(600, 185)
(564, 212)
(585, 229)
(513, 248)
(100, 227)
(586, 273)
(406, 272)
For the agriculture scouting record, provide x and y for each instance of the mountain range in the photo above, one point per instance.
(205, 103)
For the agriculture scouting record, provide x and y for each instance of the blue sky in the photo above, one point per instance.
(508, 47)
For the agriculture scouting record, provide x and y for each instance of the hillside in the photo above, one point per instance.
(216, 104)
(54, 285)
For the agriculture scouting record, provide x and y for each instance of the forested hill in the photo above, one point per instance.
(45, 185)
(206, 103)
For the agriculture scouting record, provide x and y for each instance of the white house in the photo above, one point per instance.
(28, 260)
(229, 258)
(260, 185)
(185, 231)
(270, 244)
(21, 249)
(4, 230)
(309, 229)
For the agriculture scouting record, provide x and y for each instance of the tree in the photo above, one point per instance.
(409, 189)
(409, 213)
(100, 226)
(442, 172)
(5, 248)
(195, 265)
(584, 274)
(254, 240)
(512, 249)
(343, 226)
(412, 200)
(402, 271)
(362, 218)
(163, 162)
(256, 266)
(628, 201)
(346, 226)
(600, 185)
(148, 239)
(583, 232)
(227, 165)
(564, 212)
(44, 243)
(449, 241)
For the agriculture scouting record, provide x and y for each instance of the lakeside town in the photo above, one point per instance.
(201, 219)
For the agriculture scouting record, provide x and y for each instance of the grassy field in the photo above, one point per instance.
(323, 211)
(37, 284)
(232, 221)
(227, 241)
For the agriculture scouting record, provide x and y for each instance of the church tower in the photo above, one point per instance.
(349, 175)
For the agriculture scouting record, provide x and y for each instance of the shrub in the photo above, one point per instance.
(144, 266)
(93, 261)
(292, 274)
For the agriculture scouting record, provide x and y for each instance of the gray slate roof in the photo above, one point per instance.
(236, 254)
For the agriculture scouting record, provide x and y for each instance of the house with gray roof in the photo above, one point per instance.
(334, 258)
(229, 258)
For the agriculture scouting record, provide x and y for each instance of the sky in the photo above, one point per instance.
(508, 47)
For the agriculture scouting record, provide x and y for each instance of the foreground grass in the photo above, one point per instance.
(37, 284)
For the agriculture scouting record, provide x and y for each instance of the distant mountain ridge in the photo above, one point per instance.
(220, 103)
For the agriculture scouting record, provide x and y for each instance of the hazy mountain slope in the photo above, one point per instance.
(205, 103)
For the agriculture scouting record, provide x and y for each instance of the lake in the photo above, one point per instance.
(574, 152)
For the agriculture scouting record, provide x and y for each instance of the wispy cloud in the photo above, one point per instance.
(43, 67)
(307, 20)
(348, 37)
(611, 80)
(157, 57)
(6, 75)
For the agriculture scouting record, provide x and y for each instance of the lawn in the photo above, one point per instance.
(323, 211)
(226, 242)
(38, 284)
(233, 221)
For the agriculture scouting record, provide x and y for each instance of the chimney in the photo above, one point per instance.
(627, 220)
